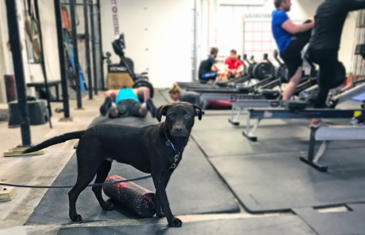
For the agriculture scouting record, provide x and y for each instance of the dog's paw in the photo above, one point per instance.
(76, 218)
(175, 223)
(108, 205)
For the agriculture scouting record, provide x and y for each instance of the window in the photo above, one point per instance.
(257, 38)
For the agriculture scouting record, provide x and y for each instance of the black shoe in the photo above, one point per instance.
(151, 107)
(104, 108)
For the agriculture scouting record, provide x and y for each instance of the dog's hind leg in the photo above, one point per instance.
(86, 171)
(101, 175)
(83, 179)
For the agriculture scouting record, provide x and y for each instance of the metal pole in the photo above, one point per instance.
(87, 50)
(76, 53)
(43, 65)
(61, 56)
(101, 47)
(76, 4)
(14, 39)
(195, 42)
(92, 16)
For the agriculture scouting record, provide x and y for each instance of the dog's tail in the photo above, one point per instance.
(55, 140)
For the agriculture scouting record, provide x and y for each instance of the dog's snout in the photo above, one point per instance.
(178, 129)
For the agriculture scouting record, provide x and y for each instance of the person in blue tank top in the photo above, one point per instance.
(128, 102)
(290, 39)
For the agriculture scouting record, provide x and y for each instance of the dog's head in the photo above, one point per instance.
(179, 117)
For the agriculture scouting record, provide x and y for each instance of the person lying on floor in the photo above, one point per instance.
(128, 102)
(191, 97)
(176, 94)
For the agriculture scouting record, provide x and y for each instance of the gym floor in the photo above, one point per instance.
(234, 186)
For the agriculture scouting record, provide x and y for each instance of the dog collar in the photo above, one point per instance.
(169, 143)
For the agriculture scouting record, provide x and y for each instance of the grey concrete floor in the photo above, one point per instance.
(38, 170)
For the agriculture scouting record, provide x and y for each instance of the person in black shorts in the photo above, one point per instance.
(325, 43)
(208, 70)
(290, 39)
(128, 102)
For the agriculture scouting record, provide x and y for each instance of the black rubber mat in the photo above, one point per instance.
(194, 188)
(283, 225)
(277, 182)
(230, 141)
(335, 223)
(275, 136)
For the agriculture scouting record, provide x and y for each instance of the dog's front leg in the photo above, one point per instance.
(159, 211)
(161, 199)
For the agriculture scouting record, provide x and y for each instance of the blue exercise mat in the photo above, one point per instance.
(359, 98)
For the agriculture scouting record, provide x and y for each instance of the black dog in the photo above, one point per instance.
(155, 149)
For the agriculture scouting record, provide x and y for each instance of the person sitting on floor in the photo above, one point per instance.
(127, 102)
(208, 69)
(233, 66)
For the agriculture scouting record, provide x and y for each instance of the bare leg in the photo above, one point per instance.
(143, 110)
(294, 81)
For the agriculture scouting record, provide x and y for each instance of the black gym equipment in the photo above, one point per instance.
(303, 110)
(324, 134)
(62, 59)
(126, 64)
(251, 65)
(294, 110)
(87, 49)
(38, 114)
(282, 70)
(76, 54)
(128, 195)
(263, 69)
(15, 47)
(144, 83)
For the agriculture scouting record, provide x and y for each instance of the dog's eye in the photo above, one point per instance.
(187, 116)
(172, 115)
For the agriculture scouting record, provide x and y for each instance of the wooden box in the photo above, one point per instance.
(119, 80)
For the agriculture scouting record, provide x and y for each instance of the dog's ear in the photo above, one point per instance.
(198, 111)
(161, 111)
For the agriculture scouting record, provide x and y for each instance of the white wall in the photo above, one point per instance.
(225, 24)
(348, 41)
(159, 37)
(32, 72)
(6, 63)
(226, 21)
(50, 44)
(21, 23)
(5, 56)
